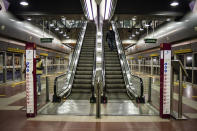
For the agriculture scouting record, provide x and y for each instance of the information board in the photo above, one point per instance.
(165, 80)
(31, 99)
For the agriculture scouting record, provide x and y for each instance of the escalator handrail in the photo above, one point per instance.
(125, 65)
(73, 59)
(94, 69)
(103, 64)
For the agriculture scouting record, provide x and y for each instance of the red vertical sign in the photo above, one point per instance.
(31, 94)
(165, 80)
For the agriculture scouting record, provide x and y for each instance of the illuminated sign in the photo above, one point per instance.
(46, 40)
(150, 40)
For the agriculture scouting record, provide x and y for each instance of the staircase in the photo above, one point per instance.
(83, 76)
(113, 78)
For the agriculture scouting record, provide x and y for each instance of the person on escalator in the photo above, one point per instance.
(110, 38)
(39, 69)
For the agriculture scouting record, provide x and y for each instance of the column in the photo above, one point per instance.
(151, 64)
(46, 65)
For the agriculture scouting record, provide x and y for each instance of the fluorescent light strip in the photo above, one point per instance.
(89, 9)
(107, 10)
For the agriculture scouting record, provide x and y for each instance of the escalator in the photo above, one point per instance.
(73, 90)
(114, 81)
(82, 84)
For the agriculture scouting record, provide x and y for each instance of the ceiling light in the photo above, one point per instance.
(29, 19)
(24, 3)
(61, 32)
(133, 35)
(130, 37)
(174, 3)
(108, 9)
(89, 8)
(134, 19)
(57, 29)
(51, 25)
(141, 29)
(137, 33)
(147, 25)
(65, 35)
(168, 19)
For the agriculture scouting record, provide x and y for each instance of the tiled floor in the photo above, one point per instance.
(12, 118)
(16, 121)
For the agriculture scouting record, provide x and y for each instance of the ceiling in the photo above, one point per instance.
(46, 7)
(151, 7)
(145, 11)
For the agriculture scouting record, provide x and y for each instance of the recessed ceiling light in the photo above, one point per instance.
(168, 19)
(174, 3)
(141, 29)
(29, 19)
(24, 3)
(134, 19)
(51, 25)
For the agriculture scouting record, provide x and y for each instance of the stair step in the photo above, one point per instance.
(113, 69)
(84, 68)
(112, 65)
(85, 65)
(82, 86)
(85, 62)
(115, 86)
(113, 72)
(113, 76)
(83, 72)
(114, 81)
(82, 81)
(83, 76)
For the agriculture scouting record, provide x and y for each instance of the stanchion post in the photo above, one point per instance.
(47, 89)
(172, 91)
(149, 89)
(98, 101)
(180, 93)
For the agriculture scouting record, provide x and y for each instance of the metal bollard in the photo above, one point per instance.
(98, 101)
(149, 89)
(180, 93)
(47, 89)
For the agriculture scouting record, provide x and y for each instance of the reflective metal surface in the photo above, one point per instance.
(113, 108)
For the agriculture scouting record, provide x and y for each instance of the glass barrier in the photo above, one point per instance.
(152, 90)
(41, 93)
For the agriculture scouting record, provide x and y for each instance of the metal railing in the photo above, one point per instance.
(93, 99)
(63, 83)
(134, 84)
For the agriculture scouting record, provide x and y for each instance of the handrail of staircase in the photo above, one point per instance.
(92, 98)
(134, 84)
(63, 83)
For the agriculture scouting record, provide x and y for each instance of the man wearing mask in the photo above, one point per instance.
(110, 38)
